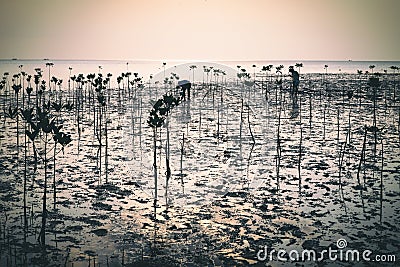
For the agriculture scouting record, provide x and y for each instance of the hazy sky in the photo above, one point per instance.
(200, 29)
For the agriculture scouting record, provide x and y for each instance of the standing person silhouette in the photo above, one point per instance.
(296, 79)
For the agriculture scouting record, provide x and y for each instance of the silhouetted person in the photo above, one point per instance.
(185, 86)
(296, 79)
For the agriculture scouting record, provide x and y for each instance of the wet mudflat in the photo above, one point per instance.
(250, 167)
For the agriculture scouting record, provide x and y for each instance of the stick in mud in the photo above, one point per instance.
(218, 118)
(324, 120)
(248, 119)
(381, 188)
(300, 151)
(341, 157)
(362, 156)
(310, 111)
(374, 121)
(181, 161)
(278, 149)
(155, 169)
(398, 126)
(240, 127)
(338, 127)
(106, 145)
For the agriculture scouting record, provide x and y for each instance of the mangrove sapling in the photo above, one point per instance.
(119, 80)
(207, 71)
(264, 82)
(73, 79)
(55, 81)
(158, 117)
(298, 66)
(155, 121)
(192, 67)
(138, 83)
(200, 108)
(41, 93)
(168, 103)
(374, 83)
(41, 122)
(46, 128)
(133, 123)
(7, 94)
(326, 72)
(107, 121)
(359, 72)
(100, 86)
(2, 88)
(57, 108)
(27, 115)
(12, 113)
(23, 74)
(49, 65)
(29, 90)
(59, 84)
(269, 78)
(372, 67)
(254, 73)
(127, 75)
(215, 73)
(279, 81)
(394, 81)
(69, 82)
(16, 89)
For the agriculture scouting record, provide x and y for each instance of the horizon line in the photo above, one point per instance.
(201, 60)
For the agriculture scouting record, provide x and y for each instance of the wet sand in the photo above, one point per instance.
(231, 197)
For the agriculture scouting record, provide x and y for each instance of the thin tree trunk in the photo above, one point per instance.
(167, 154)
(155, 170)
(181, 162)
(54, 176)
(381, 188)
(300, 151)
(106, 152)
(362, 156)
(248, 119)
(44, 210)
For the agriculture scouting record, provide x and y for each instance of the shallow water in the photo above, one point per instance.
(231, 198)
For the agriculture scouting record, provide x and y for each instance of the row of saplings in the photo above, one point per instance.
(43, 132)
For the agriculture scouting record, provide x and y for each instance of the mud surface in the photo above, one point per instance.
(296, 187)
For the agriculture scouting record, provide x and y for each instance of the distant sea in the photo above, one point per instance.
(145, 68)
